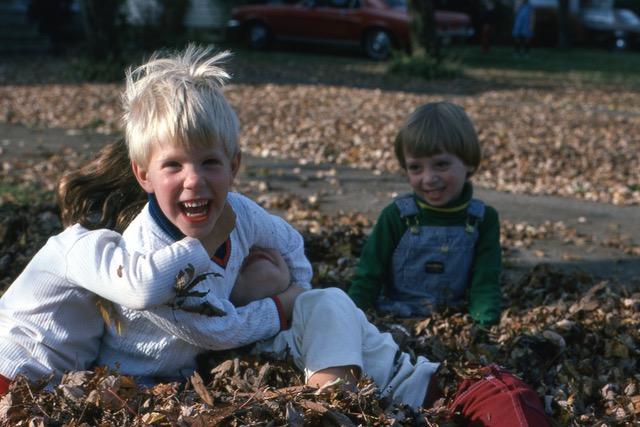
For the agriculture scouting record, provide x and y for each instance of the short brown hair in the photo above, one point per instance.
(439, 127)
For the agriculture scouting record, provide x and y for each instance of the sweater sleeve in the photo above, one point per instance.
(100, 262)
(237, 327)
(373, 271)
(257, 320)
(271, 231)
(485, 298)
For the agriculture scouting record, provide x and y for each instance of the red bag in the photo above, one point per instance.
(498, 399)
(4, 385)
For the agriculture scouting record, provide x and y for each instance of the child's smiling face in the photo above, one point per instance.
(436, 179)
(190, 184)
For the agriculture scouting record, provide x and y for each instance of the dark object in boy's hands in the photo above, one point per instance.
(185, 282)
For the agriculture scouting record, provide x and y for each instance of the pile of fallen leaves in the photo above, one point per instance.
(241, 392)
(573, 337)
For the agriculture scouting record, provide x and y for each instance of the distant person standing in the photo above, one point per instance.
(523, 28)
(488, 24)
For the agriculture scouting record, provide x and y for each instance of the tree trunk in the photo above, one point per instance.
(100, 23)
(564, 32)
(423, 27)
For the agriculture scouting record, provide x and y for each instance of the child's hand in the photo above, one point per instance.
(220, 233)
(288, 299)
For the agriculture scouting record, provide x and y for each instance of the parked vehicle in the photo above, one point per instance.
(377, 26)
(618, 28)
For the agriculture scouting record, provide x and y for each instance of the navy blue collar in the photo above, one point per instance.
(160, 219)
(223, 252)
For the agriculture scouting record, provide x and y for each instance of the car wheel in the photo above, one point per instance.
(258, 35)
(377, 44)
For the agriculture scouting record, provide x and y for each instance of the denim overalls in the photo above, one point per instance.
(432, 264)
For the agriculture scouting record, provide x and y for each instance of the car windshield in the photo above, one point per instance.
(397, 4)
(339, 4)
(604, 5)
(627, 17)
(598, 17)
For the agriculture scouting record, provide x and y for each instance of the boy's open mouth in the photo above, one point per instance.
(195, 209)
(433, 191)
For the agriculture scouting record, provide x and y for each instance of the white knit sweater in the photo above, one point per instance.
(163, 342)
(49, 321)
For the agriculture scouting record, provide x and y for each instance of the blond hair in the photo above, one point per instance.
(177, 99)
(436, 128)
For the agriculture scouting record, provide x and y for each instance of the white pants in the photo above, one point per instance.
(328, 330)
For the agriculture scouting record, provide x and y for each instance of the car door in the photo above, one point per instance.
(285, 18)
(328, 20)
(289, 19)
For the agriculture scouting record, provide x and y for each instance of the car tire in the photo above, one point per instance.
(377, 44)
(257, 35)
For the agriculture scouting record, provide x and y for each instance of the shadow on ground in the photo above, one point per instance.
(319, 66)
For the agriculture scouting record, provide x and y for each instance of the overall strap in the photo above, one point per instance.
(475, 214)
(408, 211)
(407, 205)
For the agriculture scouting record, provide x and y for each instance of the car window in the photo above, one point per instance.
(600, 4)
(397, 3)
(627, 17)
(338, 4)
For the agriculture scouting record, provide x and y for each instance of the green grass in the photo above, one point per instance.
(425, 67)
(588, 65)
(578, 66)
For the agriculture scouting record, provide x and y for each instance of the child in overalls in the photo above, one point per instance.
(437, 246)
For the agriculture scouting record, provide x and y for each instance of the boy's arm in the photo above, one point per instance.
(100, 262)
(228, 328)
(485, 298)
(374, 266)
(237, 326)
(291, 246)
(271, 231)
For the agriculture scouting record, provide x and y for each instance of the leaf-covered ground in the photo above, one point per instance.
(573, 337)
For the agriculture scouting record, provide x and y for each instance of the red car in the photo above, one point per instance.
(376, 25)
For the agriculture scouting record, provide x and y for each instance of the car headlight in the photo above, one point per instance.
(233, 23)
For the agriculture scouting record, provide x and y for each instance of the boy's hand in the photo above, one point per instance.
(223, 228)
(288, 299)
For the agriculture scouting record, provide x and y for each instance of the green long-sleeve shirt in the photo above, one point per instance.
(374, 269)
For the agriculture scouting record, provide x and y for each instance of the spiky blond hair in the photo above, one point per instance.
(177, 99)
